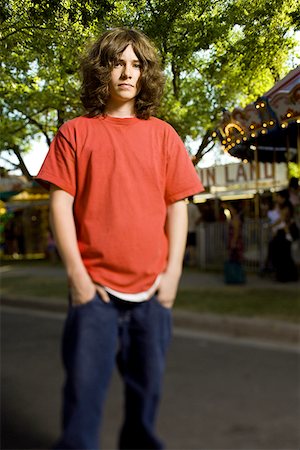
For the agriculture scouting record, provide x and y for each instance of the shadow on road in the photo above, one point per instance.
(217, 395)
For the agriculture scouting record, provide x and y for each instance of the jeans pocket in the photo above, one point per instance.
(155, 299)
(85, 304)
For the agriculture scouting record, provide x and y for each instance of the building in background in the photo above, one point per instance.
(267, 130)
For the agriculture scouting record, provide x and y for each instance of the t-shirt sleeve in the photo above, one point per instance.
(59, 166)
(182, 179)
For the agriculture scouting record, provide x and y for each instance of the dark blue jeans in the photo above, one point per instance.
(97, 334)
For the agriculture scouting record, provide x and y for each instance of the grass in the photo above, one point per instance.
(41, 281)
(242, 301)
(254, 302)
(34, 287)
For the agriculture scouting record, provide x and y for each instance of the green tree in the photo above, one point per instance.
(40, 46)
(215, 54)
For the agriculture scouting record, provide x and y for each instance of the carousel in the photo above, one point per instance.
(267, 130)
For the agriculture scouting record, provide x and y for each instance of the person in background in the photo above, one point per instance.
(272, 213)
(194, 218)
(294, 191)
(294, 197)
(281, 199)
(233, 268)
(235, 234)
(123, 258)
(285, 232)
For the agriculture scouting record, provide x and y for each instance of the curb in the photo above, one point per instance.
(238, 327)
(43, 304)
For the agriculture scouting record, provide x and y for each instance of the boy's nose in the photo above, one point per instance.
(126, 71)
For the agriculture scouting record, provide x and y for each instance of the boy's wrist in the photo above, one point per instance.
(76, 273)
(174, 270)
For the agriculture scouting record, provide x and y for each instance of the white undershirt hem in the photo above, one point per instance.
(137, 297)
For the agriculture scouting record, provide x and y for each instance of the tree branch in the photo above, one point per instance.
(29, 28)
(22, 164)
(15, 166)
(175, 80)
(202, 147)
(37, 124)
(40, 127)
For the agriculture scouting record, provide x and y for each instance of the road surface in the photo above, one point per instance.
(219, 393)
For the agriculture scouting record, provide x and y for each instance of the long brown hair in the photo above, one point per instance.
(97, 64)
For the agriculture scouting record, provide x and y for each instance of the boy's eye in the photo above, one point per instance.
(121, 63)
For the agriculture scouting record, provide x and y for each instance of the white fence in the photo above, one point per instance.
(212, 244)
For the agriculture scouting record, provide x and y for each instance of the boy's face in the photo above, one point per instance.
(125, 75)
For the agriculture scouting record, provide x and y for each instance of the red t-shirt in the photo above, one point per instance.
(122, 173)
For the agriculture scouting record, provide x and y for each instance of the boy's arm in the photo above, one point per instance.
(177, 224)
(82, 288)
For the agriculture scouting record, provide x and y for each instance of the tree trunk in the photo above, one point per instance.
(22, 165)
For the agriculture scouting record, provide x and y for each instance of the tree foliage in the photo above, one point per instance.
(40, 46)
(215, 54)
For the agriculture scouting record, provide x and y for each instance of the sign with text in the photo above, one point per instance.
(244, 176)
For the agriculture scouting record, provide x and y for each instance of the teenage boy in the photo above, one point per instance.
(118, 178)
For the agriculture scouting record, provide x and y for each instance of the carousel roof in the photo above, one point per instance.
(269, 128)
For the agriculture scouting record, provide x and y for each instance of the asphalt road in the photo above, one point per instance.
(219, 393)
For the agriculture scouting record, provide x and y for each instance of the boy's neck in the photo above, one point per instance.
(125, 110)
